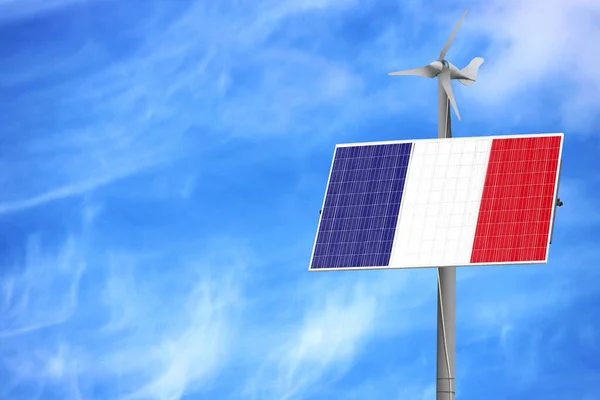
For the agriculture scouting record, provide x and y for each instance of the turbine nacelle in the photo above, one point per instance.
(445, 71)
(455, 73)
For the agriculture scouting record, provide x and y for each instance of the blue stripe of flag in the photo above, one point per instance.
(363, 198)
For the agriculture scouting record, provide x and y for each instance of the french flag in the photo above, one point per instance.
(439, 202)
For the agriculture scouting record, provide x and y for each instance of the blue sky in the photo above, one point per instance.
(162, 166)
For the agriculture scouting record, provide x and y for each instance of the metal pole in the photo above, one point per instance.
(446, 343)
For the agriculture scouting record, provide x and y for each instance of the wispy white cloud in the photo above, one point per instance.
(177, 78)
(58, 193)
(11, 10)
(189, 356)
(176, 343)
(166, 333)
(324, 343)
(545, 48)
(334, 320)
(41, 293)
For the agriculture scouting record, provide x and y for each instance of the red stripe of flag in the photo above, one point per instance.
(518, 196)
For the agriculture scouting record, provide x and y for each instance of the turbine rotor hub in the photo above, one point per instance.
(437, 67)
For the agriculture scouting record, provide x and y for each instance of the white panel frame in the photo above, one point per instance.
(514, 136)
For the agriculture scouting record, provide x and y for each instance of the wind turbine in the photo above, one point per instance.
(445, 71)
(446, 329)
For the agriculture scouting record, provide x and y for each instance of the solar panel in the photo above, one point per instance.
(359, 216)
(518, 200)
(439, 202)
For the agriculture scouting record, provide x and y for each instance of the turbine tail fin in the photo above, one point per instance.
(470, 71)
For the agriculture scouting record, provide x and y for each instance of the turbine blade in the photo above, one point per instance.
(422, 71)
(449, 42)
(444, 78)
